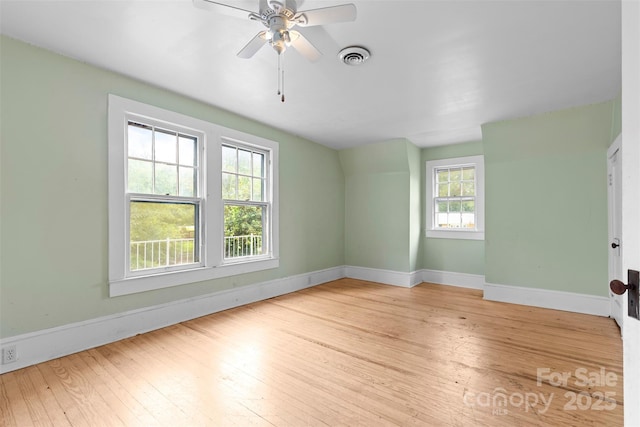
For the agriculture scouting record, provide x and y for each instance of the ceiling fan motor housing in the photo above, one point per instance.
(276, 5)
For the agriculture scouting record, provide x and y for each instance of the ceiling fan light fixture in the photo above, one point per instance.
(280, 40)
(280, 16)
(354, 55)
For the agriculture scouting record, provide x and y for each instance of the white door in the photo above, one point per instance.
(630, 18)
(614, 170)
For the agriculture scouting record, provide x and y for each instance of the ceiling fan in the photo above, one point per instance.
(280, 17)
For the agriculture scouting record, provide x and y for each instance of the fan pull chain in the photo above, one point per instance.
(281, 77)
(282, 99)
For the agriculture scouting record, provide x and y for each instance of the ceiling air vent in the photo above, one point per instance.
(354, 55)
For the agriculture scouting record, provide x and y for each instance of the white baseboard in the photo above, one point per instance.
(387, 277)
(48, 344)
(461, 280)
(544, 298)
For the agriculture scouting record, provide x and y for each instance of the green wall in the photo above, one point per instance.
(551, 170)
(381, 210)
(546, 224)
(53, 200)
(546, 199)
(452, 255)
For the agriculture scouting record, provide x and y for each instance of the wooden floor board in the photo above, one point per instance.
(345, 353)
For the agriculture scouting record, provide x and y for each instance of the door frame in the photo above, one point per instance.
(614, 216)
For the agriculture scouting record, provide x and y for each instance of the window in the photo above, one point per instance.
(188, 200)
(246, 206)
(455, 198)
(163, 196)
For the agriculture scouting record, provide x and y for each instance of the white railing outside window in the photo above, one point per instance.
(161, 253)
(241, 246)
(169, 252)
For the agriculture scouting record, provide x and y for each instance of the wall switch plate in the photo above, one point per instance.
(633, 299)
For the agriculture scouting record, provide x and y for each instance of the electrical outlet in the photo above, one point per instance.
(9, 354)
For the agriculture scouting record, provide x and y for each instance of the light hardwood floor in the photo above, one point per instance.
(345, 353)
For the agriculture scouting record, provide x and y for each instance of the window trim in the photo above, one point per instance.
(213, 265)
(468, 234)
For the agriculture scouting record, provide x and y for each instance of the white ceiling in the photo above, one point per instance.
(438, 70)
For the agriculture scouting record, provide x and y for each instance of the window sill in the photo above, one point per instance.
(455, 234)
(132, 285)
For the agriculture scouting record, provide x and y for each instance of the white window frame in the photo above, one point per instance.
(198, 199)
(212, 264)
(432, 231)
(267, 231)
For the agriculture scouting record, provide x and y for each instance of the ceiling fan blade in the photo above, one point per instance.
(253, 46)
(222, 8)
(322, 39)
(263, 5)
(326, 15)
(304, 46)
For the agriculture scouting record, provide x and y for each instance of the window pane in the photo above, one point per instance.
(229, 186)
(165, 146)
(455, 189)
(442, 175)
(468, 189)
(468, 206)
(456, 175)
(244, 162)
(454, 206)
(258, 165)
(469, 174)
(166, 179)
(443, 190)
(442, 207)
(442, 220)
(243, 231)
(139, 141)
(187, 151)
(454, 220)
(187, 182)
(140, 176)
(244, 188)
(229, 159)
(468, 220)
(162, 234)
(257, 190)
